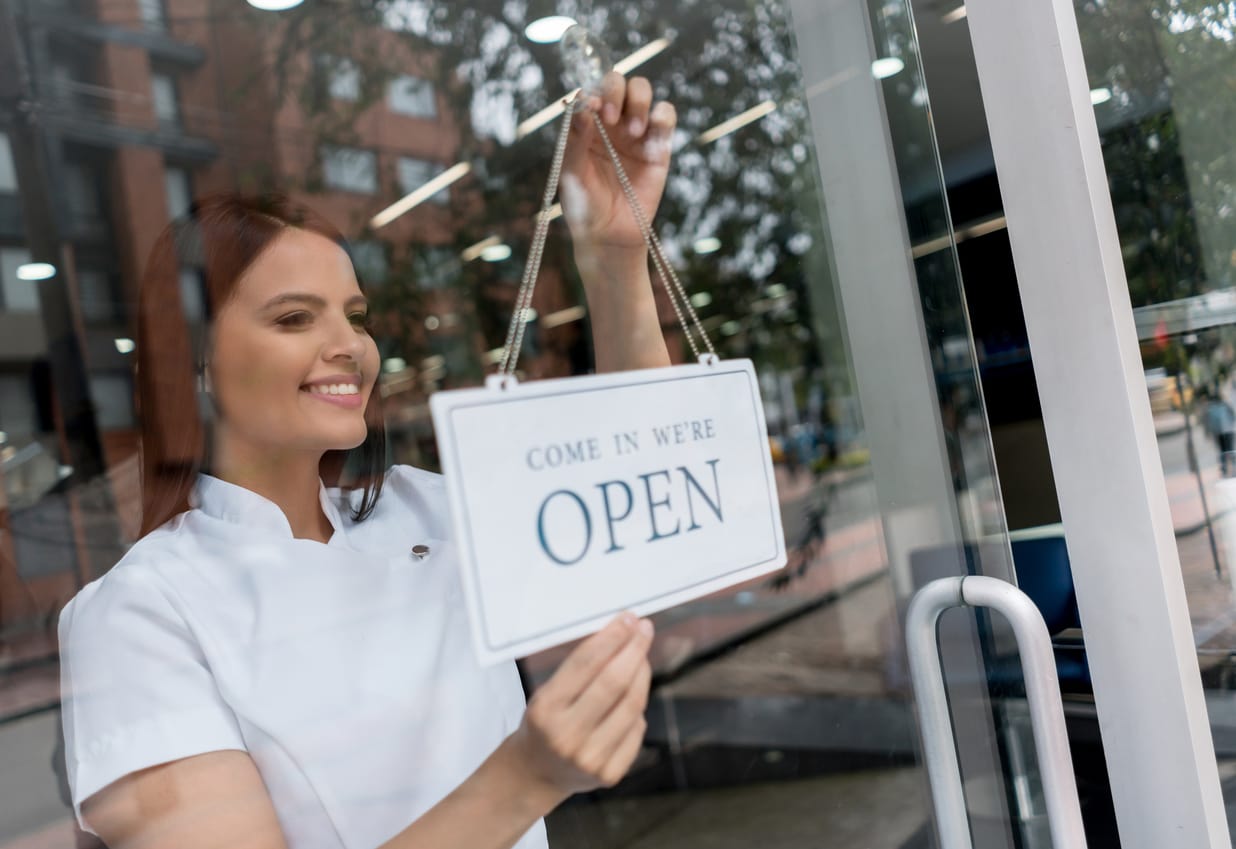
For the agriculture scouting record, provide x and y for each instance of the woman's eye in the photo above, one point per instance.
(295, 319)
(360, 319)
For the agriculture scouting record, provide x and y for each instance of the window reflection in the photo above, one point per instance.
(443, 107)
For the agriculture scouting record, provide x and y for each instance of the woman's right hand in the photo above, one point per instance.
(584, 727)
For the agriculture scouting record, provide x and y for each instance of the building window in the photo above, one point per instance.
(192, 295)
(179, 189)
(81, 193)
(113, 401)
(413, 173)
(166, 105)
(151, 12)
(18, 414)
(16, 295)
(409, 95)
(435, 268)
(95, 295)
(350, 169)
(369, 259)
(341, 76)
(8, 173)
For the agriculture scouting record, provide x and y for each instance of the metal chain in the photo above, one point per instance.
(669, 278)
(523, 300)
(673, 286)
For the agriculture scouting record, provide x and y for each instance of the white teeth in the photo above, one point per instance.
(335, 389)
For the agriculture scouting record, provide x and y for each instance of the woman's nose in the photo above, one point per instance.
(344, 341)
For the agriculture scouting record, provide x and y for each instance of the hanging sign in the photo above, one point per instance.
(575, 499)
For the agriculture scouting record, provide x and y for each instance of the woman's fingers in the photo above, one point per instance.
(587, 660)
(613, 97)
(608, 734)
(624, 754)
(612, 682)
(662, 119)
(637, 105)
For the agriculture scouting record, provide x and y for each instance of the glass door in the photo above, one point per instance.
(806, 212)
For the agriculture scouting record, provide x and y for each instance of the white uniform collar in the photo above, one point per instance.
(232, 503)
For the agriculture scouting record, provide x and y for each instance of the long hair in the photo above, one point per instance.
(192, 272)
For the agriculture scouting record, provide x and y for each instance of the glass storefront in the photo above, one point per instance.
(806, 214)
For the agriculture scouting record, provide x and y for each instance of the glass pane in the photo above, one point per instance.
(195, 408)
(1159, 75)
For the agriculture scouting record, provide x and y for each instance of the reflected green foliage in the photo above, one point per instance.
(1170, 68)
(754, 190)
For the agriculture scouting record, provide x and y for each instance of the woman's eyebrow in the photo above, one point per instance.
(312, 300)
(295, 297)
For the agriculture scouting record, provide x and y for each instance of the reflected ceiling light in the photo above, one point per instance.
(549, 29)
(1100, 95)
(275, 5)
(622, 66)
(420, 194)
(700, 300)
(432, 323)
(496, 253)
(474, 251)
(36, 271)
(887, 67)
(954, 16)
(530, 315)
(707, 245)
(639, 57)
(730, 328)
(755, 113)
(125, 345)
(394, 365)
(566, 316)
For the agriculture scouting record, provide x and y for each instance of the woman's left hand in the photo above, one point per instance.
(593, 202)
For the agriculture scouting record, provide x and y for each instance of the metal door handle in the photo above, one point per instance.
(1051, 740)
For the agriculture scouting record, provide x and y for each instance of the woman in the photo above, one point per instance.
(270, 665)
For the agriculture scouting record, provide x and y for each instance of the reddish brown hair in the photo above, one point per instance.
(214, 243)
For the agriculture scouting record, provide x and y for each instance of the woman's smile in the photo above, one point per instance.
(341, 390)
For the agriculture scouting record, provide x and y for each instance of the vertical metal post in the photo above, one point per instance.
(1038, 662)
(1104, 454)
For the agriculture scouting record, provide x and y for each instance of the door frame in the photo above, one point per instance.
(1100, 431)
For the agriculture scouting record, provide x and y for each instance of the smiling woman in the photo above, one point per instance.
(275, 655)
(265, 335)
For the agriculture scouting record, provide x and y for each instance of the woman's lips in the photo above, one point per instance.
(351, 402)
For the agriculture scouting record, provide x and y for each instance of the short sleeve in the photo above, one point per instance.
(135, 686)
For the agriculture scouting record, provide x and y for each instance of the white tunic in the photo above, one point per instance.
(346, 670)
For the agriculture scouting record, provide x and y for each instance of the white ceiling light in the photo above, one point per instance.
(420, 194)
(496, 253)
(549, 29)
(887, 67)
(622, 66)
(474, 251)
(394, 365)
(755, 113)
(566, 316)
(954, 16)
(700, 300)
(36, 271)
(1100, 95)
(707, 245)
(275, 5)
(432, 322)
(125, 345)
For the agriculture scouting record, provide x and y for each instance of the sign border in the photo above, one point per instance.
(557, 387)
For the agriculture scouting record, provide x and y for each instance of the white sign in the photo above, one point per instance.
(575, 499)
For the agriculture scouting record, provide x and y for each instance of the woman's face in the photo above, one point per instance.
(292, 363)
